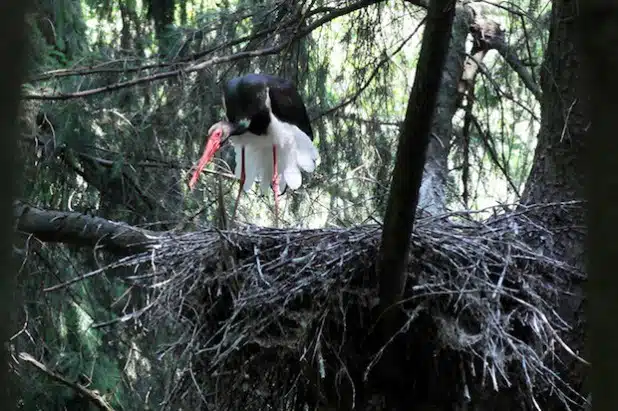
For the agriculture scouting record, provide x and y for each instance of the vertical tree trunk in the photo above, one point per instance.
(13, 46)
(391, 268)
(432, 196)
(558, 170)
(558, 173)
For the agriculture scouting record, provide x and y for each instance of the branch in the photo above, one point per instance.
(410, 159)
(81, 229)
(489, 35)
(485, 72)
(96, 69)
(93, 396)
(136, 163)
(101, 68)
(159, 76)
(372, 75)
(524, 75)
(212, 61)
(488, 143)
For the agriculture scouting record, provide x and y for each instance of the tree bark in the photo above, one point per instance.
(406, 182)
(432, 196)
(458, 81)
(410, 158)
(81, 229)
(13, 46)
(558, 172)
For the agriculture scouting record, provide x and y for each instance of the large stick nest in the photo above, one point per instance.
(275, 318)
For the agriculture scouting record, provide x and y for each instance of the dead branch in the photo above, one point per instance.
(488, 142)
(81, 229)
(488, 35)
(93, 396)
(159, 76)
(96, 69)
(104, 67)
(499, 91)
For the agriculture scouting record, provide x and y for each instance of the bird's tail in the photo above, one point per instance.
(296, 153)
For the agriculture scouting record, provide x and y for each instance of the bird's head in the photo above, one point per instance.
(217, 136)
(220, 131)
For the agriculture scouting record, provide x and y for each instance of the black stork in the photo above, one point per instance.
(268, 125)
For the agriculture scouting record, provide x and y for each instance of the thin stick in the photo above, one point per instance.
(93, 396)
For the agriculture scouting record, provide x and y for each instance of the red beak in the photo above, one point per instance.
(212, 145)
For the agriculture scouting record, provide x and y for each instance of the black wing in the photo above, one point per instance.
(244, 97)
(288, 105)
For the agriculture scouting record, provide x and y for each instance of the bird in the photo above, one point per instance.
(268, 126)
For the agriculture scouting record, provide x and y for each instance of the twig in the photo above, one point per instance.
(92, 395)
(372, 75)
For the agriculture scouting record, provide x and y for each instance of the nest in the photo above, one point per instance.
(274, 319)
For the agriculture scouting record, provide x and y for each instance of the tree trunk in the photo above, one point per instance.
(432, 196)
(558, 170)
(458, 83)
(13, 49)
(558, 173)
(393, 258)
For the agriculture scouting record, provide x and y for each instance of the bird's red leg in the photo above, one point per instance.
(275, 185)
(242, 181)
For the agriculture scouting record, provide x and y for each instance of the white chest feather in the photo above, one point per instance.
(295, 152)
